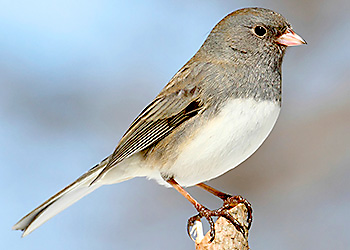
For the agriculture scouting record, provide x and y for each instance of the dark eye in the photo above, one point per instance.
(260, 31)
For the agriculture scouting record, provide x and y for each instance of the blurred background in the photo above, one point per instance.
(73, 76)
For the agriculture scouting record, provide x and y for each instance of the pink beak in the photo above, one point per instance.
(290, 38)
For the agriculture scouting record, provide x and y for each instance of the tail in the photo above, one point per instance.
(60, 201)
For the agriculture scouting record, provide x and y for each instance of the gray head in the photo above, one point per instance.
(250, 33)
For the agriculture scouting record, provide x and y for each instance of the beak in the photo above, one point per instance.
(290, 38)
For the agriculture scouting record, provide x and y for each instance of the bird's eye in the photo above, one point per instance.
(260, 31)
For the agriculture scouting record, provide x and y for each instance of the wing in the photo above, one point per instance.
(157, 120)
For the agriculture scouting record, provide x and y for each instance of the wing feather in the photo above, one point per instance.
(156, 121)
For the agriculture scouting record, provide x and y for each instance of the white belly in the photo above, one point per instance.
(226, 141)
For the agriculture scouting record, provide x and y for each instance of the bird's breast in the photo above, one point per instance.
(225, 141)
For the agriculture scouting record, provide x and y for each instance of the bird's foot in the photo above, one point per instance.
(232, 201)
(229, 202)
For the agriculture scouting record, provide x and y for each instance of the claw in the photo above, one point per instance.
(207, 214)
(233, 201)
(212, 227)
(224, 213)
(197, 229)
(229, 202)
(190, 224)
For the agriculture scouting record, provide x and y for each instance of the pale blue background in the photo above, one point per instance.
(74, 74)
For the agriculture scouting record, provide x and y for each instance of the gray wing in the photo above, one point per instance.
(156, 121)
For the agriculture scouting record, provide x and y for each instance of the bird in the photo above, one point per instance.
(212, 115)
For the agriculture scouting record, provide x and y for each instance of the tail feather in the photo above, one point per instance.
(60, 201)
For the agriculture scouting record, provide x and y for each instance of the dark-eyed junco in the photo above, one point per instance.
(211, 116)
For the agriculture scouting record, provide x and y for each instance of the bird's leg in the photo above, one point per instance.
(204, 212)
(230, 201)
